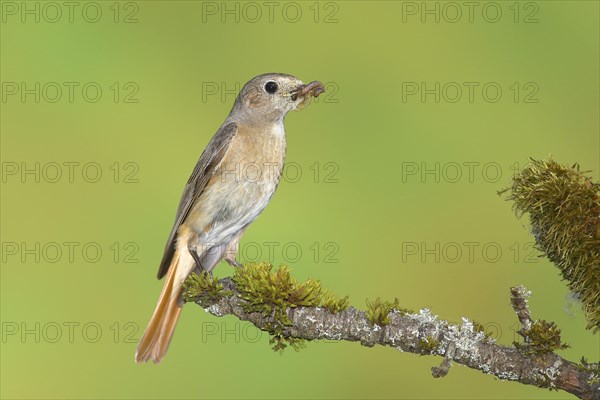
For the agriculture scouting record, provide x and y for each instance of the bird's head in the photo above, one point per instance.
(269, 97)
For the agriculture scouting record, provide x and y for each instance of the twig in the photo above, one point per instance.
(518, 299)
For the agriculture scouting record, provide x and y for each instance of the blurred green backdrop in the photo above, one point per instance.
(388, 187)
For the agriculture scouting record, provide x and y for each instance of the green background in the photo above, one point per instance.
(364, 222)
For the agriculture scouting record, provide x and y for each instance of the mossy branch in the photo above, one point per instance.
(564, 209)
(295, 312)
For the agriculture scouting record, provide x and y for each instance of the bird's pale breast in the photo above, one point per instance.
(242, 185)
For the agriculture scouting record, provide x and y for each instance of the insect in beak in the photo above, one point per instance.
(313, 89)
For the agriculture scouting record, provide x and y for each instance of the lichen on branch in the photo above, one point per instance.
(295, 312)
(564, 209)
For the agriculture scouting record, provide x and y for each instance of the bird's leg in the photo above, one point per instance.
(199, 270)
(196, 257)
(234, 263)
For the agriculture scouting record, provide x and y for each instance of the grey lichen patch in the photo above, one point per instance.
(564, 209)
(593, 370)
(427, 321)
(547, 376)
(273, 292)
(203, 289)
(543, 337)
(425, 316)
(475, 330)
(466, 341)
(507, 375)
(215, 309)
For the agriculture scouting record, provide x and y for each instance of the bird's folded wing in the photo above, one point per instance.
(207, 164)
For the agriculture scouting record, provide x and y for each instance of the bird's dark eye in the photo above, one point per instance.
(271, 87)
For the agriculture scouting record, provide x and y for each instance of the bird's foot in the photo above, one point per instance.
(234, 263)
(198, 270)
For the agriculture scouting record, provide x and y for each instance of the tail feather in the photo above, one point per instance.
(155, 341)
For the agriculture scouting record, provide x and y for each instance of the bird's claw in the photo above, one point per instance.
(234, 263)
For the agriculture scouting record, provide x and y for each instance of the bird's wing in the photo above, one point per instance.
(208, 162)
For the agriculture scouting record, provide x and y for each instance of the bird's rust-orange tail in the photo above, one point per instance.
(155, 341)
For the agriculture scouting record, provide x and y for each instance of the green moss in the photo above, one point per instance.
(203, 289)
(271, 292)
(279, 342)
(404, 311)
(429, 344)
(564, 209)
(478, 327)
(542, 338)
(378, 311)
(335, 304)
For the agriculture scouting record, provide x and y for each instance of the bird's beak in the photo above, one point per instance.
(314, 89)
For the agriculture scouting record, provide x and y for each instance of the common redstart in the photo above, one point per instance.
(232, 183)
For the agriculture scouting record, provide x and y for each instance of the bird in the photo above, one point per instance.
(231, 184)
